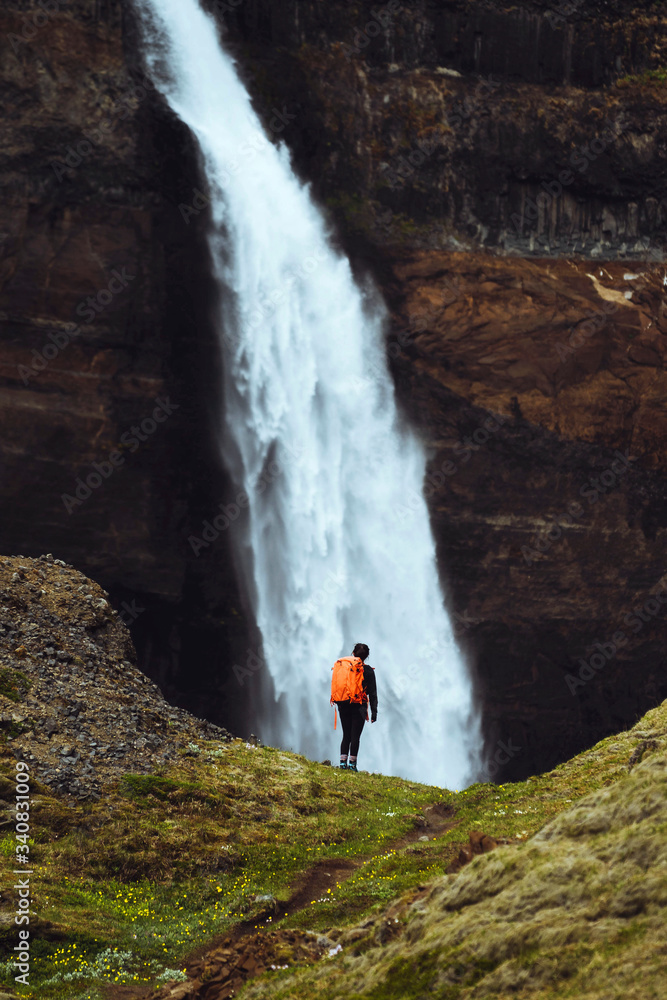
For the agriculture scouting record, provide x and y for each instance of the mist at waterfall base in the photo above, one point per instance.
(337, 546)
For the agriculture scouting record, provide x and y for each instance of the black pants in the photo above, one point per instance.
(352, 718)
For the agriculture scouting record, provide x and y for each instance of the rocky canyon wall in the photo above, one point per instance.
(108, 379)
(501, 174)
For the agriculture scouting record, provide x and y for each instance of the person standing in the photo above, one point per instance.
(353, 686)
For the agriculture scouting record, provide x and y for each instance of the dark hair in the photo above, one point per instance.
(361, 650)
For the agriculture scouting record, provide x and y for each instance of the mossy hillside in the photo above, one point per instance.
(575, 911)
(128, 886)
(513, 811)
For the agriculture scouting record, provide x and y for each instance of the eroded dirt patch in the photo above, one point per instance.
(221, 972)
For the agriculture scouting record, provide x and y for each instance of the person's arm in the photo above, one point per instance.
(370, 687)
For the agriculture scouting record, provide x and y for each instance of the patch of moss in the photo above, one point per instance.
(145, 786)
(649, 76)
(14, 684)
(406, 979)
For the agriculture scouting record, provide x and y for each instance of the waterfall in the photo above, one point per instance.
(335, 536)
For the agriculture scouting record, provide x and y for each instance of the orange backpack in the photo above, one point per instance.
(347, 681)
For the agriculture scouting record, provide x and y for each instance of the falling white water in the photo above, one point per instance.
(338, 547)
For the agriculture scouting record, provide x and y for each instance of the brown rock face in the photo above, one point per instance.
(541, 389)
(537, 382)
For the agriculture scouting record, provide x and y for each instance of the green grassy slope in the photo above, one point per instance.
(164, 863)
(127, 887)
(577, 911)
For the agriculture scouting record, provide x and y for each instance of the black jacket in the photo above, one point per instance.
(370, 687)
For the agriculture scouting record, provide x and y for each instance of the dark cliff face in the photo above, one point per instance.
(109, 369)
(414, 165)
(467, 125)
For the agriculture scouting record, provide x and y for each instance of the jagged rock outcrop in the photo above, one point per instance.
(73, 704)
(551, 141)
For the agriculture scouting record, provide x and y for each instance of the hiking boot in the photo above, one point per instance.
(352, 767)
(344, 767)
